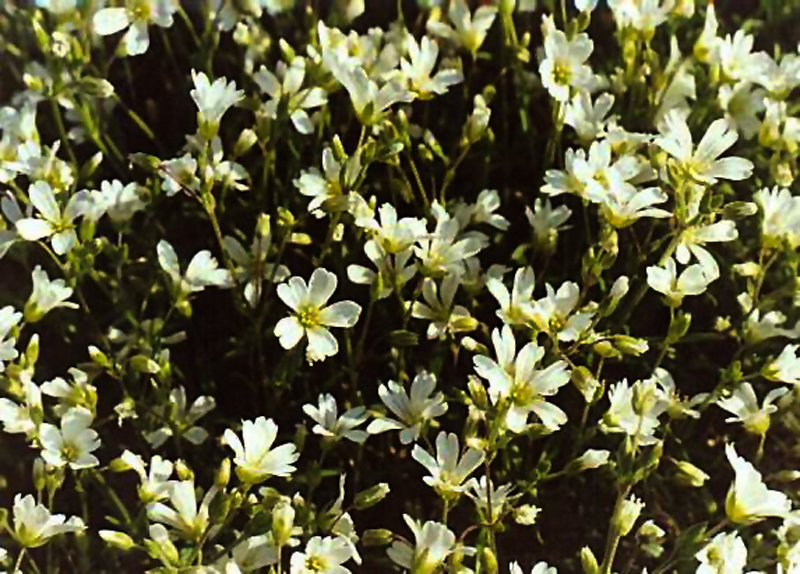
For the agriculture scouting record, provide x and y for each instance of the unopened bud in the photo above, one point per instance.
(477, 391)
(183, 471)
(588, 561)
(489, 561)
(371, 496)
(282, 522)
(117, 539)
(247, 138)
(377, 537)
(630, 345)
(223, 475)
(689, 474)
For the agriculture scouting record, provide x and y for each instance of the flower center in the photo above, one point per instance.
(315, 564)
(308, 317)
(562, 74)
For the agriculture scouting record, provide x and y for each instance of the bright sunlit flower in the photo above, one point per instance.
(46, 296)
(743, 404)
(136, 15)
(702, 164)
(413, 410)
(73, 443)
(449, 469)
(185, 516)
(255, 459)
(748, 499)
(433, 543)
(53, 222)
(564, 67)
(786, 368)
(311, 316)
(468, 30)
(182, 419)
(322, 556)
(725, 554)
(203, 270)
(154, 486)
(34, 525)
(212, 100)
(331, 425)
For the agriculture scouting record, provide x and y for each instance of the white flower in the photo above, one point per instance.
(182, 421)
(212, 100)
(330, 424)
(444, 251)
(516, 308)
(692, 239)
(564, 65)
(439, 309)
(748, 499)
(369, 101)
(622, 204)
(53, 223)
(329, 189)
(786, 368)
(289, 92)
(554, 315)
(250, 555)
(741, 104)
(484, 208)
(546, 221)
(46, 296)
(137, 14)
(418, 68)
(628, 515)
(118, 200)
(23, 418)
(518, 379)
(255, 459)
(634, 410)
(78, 393)
(72, 444)
(178, 173)
(185, 516)
(539, 567)
(644, 16)
(154, 485)
(468, 30)
(725, 554)
(743, 404)
(588, 118)
(322, 556)
(433, 543)
(392, 271)
(477, 490)
(252, 269)
(9, 318)
(34, 525)
(203, 270)
(311, 315)
(781, 215)
(448, 470)
(735, 57)
(593, 458)
(414, 411)
(701, 164)
(692, 281)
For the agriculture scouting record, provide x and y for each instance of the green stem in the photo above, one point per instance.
(18, 563)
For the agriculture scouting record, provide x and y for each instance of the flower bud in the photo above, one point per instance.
(247, 138)
(282, 522)
(377, 537)
(371, 496)
(588, 561)
(526, 514)
(223, 474)
(583, 379)
(183, 471)
(489, 561)
(593, 458)
(689, 474)
(39, 475)
(630, 345)
(117, 539)
(477, 391)
(628, 515)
